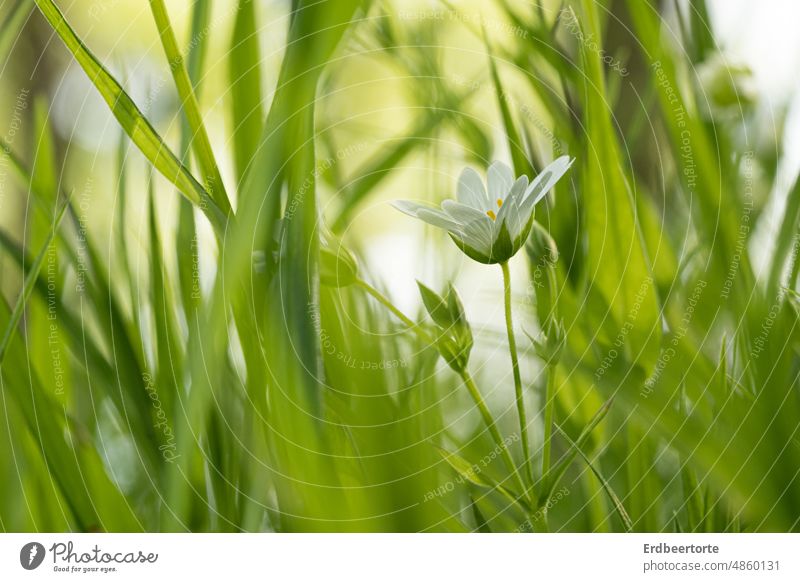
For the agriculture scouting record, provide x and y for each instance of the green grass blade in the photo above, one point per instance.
(188, 263)
(191, 108)
(12, 25)
(474, 475)
(611, 220)
(30, 281)
(550, 480)
(618, 507)
(522, 164)
(785, 240)
(132, 119)
(244, 66)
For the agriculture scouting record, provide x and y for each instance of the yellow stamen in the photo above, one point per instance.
(499, 203)
(491, 214)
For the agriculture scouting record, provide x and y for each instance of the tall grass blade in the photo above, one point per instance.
(132, 120)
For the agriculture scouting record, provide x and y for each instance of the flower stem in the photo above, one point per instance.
(472, 388)
(493, 431)
(383, 300)
(512, 348)
(549, 405)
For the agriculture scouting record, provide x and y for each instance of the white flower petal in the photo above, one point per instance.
(510, 210)
(409, 207)
(439, 219)
(462, 213)
(510, 216)
(470, 190)
(519, 187)
(479, 222)
(546, 180)
(500, 179)
(478, 235)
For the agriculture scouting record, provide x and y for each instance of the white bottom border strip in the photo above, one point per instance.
(401, 557)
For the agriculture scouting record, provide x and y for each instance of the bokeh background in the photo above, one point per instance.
(404, 104)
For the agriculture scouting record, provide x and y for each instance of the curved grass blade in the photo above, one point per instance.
(132, 120)
(618, 507)
(515, 144)
(191, 108)
(550, 480)
(476, 477)
(29, 283)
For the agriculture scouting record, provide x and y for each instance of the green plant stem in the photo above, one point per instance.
(492, 426)
(512, 348)
(477, 398)
(549, 406)
(383, 300)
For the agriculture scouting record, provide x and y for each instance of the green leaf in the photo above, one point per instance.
(12, 26)
(435, 306)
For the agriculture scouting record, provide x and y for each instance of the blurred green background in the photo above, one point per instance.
(175, 358)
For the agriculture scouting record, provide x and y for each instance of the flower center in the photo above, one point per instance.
(491, 214)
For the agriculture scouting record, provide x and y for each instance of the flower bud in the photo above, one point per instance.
(541, 247)
(454, 336)
(550, 344)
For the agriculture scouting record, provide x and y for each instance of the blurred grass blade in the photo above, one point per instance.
(516, 147)
(618, 507)
(244, 71)
(476, 476)
(188, 263)
(786, 237)
(612, 222)
(131, 118)
(556, 472)
(29, 283)
(191, 108)
(12, 25)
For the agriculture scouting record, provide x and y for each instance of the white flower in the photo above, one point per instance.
(490, 224)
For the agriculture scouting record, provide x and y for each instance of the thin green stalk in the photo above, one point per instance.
(477, 398)
(549, 406)
(512, 348)
(383, 300)
(200, 142)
